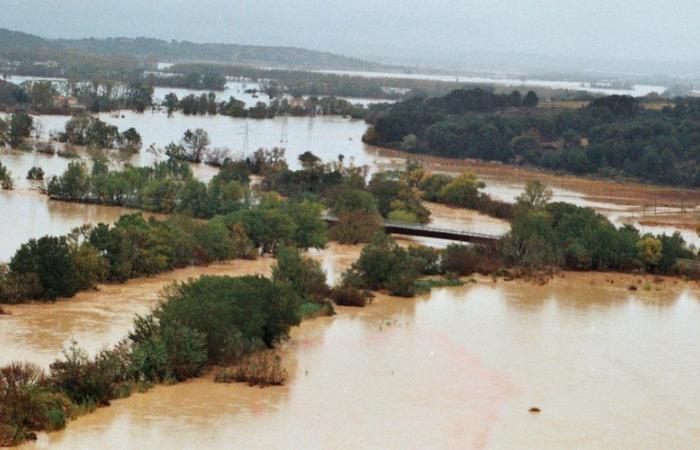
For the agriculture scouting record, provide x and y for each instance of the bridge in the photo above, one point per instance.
(411, 229)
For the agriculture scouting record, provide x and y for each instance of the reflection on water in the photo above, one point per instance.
(459, 369)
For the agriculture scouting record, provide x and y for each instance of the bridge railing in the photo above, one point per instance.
(426, 229)
(413, 226)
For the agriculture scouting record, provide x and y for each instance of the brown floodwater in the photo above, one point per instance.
(26, 214)
(457, 369)
(648, 208)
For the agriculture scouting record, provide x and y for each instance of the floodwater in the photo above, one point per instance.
(457, 369)
(325, 136)
(26, 214)
(636, 90)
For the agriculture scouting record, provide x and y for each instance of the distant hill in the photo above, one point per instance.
(22, 46)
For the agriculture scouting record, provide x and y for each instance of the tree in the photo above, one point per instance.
(536, 195)
(171, 103)
(462, 190)
(304, 275)
(649, 250)
(196, 143)
(20, 127)
(47, 261)
(530, 100)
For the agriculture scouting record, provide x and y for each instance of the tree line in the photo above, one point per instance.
(611, 136)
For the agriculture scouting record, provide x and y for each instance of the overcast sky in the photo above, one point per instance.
(639, 29)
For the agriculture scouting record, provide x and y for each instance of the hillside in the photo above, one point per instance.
(22, 46)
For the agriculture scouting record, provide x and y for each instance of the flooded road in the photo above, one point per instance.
(458, 369)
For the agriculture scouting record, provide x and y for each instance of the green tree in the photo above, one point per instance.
(21, 125)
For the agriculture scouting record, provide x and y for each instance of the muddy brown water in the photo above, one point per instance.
(460, 368)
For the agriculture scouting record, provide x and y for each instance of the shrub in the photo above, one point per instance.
(35, 173)
(304, 275)
(354, 227)
(218, 306)
(349, 296)
(460, 259)
(384, 265)
(27, 404)
(259, 369)
(83, 380)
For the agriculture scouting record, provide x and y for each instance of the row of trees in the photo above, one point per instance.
(610, 136)
(166, 187)
(208, 104)
(67, 97)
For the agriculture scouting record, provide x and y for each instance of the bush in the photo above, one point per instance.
(27, 404)
(461, 259)
(303, 275)
(35, 173)
(217, 307)
(384, 265)
(259, 369)
(354, 227)
(350, 296)
(83, 380)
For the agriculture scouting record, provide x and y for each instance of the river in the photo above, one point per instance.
(457, 369)
(327, 137)
(460, 368)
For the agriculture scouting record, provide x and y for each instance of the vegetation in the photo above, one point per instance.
(258, 369)
(166, 187)
(212, 320)
(206, 104)
(52, 267)
(560, 235)
(5, 178)
(35, 173)
(90, 131)
(610, 136)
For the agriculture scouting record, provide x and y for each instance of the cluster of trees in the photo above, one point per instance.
(463, 190)
(52, 267)
(55, 97)
(384, 265)
(207, 80)
(610, 136)
(359, 205)
(561, 235)
(15, 129)
(166, 187)
(207, 104)
(212, 320)
(93, 132)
